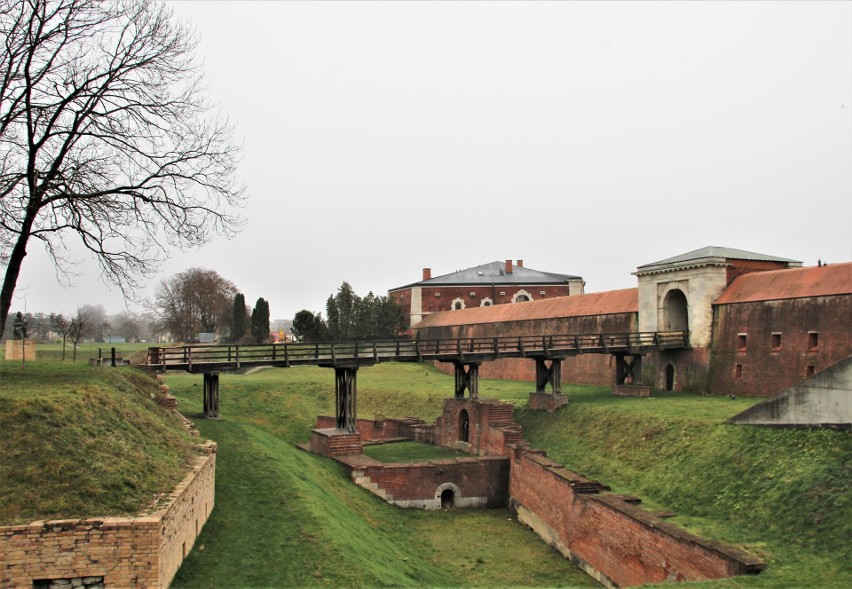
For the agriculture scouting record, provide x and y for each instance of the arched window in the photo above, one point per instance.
(486, 302)
(457, 304)
(521, 296)
(464, 426)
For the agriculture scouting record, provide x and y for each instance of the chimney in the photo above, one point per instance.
(520, 263)
(508, 266)
(427, 274)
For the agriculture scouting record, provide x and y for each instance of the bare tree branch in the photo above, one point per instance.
(106, 134)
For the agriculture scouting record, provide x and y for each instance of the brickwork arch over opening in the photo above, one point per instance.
(521, 296)
(448, 495)
(675, 315)
(457, 304)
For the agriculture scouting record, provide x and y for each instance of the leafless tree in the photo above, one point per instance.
(62, 325)
(106, 135)
(81, 326)
(196, 300)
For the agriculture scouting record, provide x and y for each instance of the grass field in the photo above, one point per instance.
(284, 517)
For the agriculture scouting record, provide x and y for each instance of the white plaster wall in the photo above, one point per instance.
(701, 285)
(416, 305)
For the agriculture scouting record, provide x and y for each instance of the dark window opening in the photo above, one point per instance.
(741, 342)
(448, 499)
(809, 371)
(464, 426)
(670, 377)
(775, 341)
(738, 371)
(522, 299)
(813, 339)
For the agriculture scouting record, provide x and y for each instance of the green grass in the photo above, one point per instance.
(284, 517)
(411, 452)
(80, 441)
(52, 352)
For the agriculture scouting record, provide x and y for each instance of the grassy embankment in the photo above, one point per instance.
(287, 518)
(81, 441)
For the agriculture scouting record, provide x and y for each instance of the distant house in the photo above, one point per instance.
(114, 339)
(490, 284)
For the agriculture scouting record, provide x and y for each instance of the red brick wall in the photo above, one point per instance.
(376, 429)
(612, 540)
(448, 294)
(486, 479)
(767, 370)
(491, 426)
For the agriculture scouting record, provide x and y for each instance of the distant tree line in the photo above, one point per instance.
(349, 317)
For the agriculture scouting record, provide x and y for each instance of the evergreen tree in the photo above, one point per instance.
(308, 327)
(260, 321)
(238, 318)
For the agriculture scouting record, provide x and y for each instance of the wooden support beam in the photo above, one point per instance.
(211, 395)
(467, 377)
(628, 371)
(551, 375)
(345, 394)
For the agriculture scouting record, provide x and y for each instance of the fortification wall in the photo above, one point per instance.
(615, 542)
(473, 482)
(376, 429)
(129, 552)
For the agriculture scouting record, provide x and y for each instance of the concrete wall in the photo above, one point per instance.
(128, 552)
(824, 399)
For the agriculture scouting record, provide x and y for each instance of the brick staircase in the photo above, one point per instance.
(363, 481)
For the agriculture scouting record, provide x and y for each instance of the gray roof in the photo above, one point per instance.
(720, 252)
(495, 273)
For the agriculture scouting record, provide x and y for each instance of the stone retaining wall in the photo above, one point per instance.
(141, 552)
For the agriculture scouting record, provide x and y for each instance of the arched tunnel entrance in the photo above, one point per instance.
(675, 316)
(448, 499)
(464, 426)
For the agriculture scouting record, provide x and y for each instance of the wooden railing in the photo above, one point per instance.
(214, 357)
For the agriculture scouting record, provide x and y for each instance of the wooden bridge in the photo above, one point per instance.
(466, 354)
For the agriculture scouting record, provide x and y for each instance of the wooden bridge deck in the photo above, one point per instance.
(206, 358)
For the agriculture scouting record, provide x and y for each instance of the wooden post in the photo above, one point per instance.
(345, 393)
(211, 395)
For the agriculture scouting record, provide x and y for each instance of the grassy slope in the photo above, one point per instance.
(783, 494)
(285, 517)
(80, 441)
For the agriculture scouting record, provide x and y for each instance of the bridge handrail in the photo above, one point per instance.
(234, 355)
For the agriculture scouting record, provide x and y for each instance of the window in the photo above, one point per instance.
(775, 341)
(813, 340)
(457, 304)
(741, 342)
(809, 371)
(738, 371)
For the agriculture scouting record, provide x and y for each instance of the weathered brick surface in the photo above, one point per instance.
(129, 552)
(767, 369)
(614, 541)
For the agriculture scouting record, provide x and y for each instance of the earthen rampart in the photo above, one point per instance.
(128, 552)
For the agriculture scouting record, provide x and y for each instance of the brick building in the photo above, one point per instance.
(757, 323)
(496, 283)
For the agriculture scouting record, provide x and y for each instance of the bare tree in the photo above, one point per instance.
(62, 325)
(196, 300)
(81, 326)
(106, 135)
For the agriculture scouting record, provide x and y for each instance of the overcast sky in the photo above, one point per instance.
(585, 138)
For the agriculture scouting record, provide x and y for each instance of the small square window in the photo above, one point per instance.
(809, 371)
(741, 342)
(775, 341)
(738, 371)
(813, 340)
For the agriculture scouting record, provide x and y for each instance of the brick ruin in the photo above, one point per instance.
(607, 535)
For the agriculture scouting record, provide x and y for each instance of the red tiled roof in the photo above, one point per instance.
(794, 283)
(599, 303)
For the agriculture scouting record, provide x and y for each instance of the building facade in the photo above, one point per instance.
(757, 323)
(496, 283)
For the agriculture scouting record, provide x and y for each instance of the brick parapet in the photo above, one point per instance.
(609, 537)
(133, 552)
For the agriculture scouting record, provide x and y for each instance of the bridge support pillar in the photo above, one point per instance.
(345, 391)
(545, 375)
(211, 395)
(467, 377)
(628, 371)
